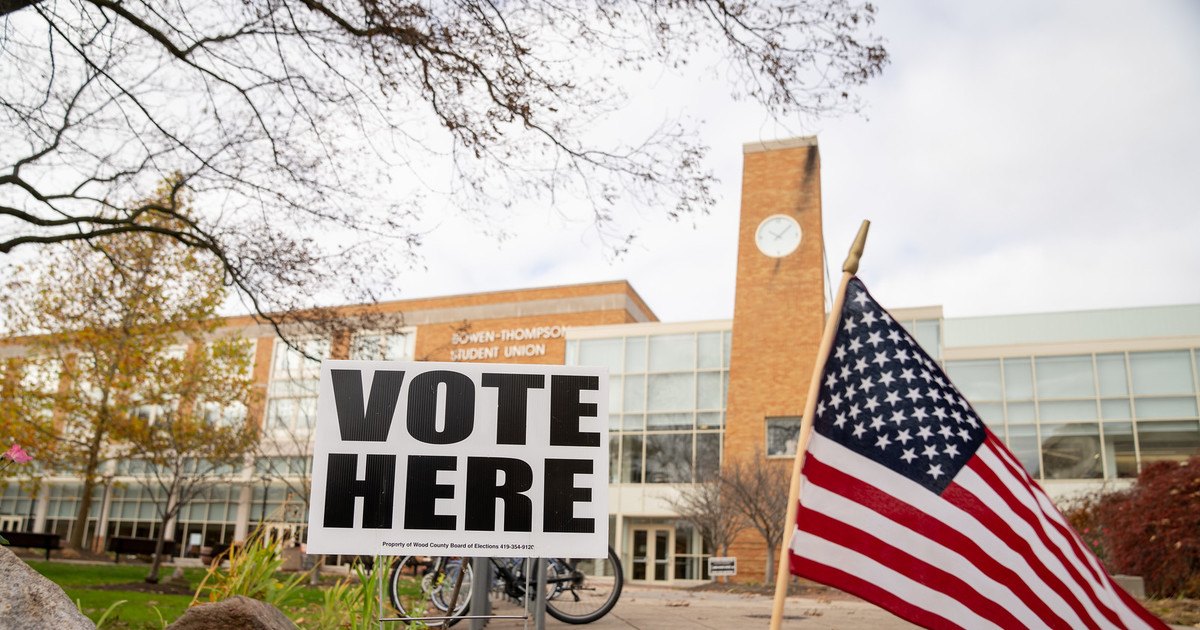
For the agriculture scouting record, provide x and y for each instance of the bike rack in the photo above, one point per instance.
(480, 587)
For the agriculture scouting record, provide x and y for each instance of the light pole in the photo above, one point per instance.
(262, 514)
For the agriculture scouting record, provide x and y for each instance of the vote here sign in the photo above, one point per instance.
(460, 459)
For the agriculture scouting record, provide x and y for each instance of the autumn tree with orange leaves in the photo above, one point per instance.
(119, 358)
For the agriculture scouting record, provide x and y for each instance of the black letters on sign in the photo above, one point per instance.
(423, 404)
(565, 410)
(377, 490)
(512, 405)
(423, 490)
(483, 490)
(562, 495)
(373, 424)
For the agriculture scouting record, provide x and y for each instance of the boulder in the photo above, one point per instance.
(28, 600)
(235, 612)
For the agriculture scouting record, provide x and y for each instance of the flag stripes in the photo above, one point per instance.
(986, 543)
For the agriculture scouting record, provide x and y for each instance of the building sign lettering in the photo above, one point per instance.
(511, 336)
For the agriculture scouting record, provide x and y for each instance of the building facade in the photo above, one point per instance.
(1084, 399)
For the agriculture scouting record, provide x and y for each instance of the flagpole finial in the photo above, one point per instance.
(856, 250)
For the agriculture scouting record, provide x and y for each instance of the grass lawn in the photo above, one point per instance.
(141, 610)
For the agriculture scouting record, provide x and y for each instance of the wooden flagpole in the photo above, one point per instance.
(849, 268)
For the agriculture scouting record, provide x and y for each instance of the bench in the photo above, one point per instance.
(33, 540)
(137, 546)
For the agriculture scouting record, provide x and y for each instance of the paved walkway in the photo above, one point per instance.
(654, 608)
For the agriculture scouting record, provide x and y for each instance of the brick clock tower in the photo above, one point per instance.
(779, 311)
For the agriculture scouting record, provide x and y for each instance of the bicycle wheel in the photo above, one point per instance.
(421, 586)
(583, 590)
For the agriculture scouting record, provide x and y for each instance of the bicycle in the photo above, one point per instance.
(578, 591)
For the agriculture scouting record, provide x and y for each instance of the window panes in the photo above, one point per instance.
(708, 390)
(708, 455)
(1021, 413)
(633, 422)
(635, 393)
(1110, 372)
(1071, 451)
(672, 353)
(710, 419)
(1023, 442)
(1172, 441)
(635, 354)
(992, 413)
(631, 459)
(1166, 408)
(1161, 372)
(601, 352)
(1067, 410)
(1115, 409)
(663, 421)
(977, 380)
(375, 346)
(1018, 379)
(929, 336)
(669, 392)
(728, 338)
(708, 347)
(782, 435)
(1065, 377)
(1120, 457)
(614, 459)
(669, 458)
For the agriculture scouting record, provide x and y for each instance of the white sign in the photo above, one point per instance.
(722, 567)
(460, 459)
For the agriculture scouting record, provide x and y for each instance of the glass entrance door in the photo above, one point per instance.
(650, 553)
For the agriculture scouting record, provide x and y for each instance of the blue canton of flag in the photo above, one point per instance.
(885, 399)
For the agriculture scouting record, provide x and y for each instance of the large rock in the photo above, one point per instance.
(235, 612)
(28, 600)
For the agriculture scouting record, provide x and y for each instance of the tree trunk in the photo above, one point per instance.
(156, 563)
(85, 500)
(771, 551)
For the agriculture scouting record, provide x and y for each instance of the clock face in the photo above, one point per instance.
(777, 236)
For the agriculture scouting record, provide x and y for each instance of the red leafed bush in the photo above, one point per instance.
(1151, 529)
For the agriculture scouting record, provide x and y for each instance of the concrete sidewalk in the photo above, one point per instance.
(656, 608)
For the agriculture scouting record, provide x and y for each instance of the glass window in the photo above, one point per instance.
(669, 458)
(601, 352)
(977, 380)
(1022, 441)
(669, 392)
(708, 455)
(1067, 410)
(1119, 455)
(672, 353)
(710, 419)
(633, 422)
(1021, 413)
(728, 336)
(1065, 377)
(1018, 379)
(635, 354)
(708, 390)
(928, 335)
(1071, 451)
(1168, 441)
(572, 352)
(991, 413)
(1161, 372)
(1110, 372)
(376, 346)
(1115, 409)
(631, 459)
(614, 461)
(1167, 408)
(708, 346)
(669, 421)
(782, 435)
(635, 393)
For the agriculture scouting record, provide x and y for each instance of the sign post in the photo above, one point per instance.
(453, 459)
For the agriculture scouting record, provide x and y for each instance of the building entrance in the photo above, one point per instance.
(650, 553)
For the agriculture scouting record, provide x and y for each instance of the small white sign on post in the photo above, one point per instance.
(722, 566)
(460, 459)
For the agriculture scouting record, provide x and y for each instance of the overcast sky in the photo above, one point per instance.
(1014, 157)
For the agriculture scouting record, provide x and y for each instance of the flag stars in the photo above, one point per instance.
(935, 471)
(945, 431)
(860, 365)
(887, 378)
(909, 455)
(902, 356)
(861, 298)
(898, 417)
(840, 353)
(951, 450)
(835, 400)
(894, 336)
(859, 430)
(831, 380)
(855, 345)
(875, 339)
(854, 411)
(891, 398)
(964, 435)
(930, 451)
(907, 375)
(876, 423)
(880, 359)
(872, 403)
(924, 433)
(865, 385)
(869, 319)
(903, 437)
(840, 421)
(920, 414)
(883, 441)
(939, 413)
(850, 325)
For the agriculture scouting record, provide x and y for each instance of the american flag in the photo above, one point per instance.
(909, 501)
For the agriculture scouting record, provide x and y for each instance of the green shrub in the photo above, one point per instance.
(253, 572)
